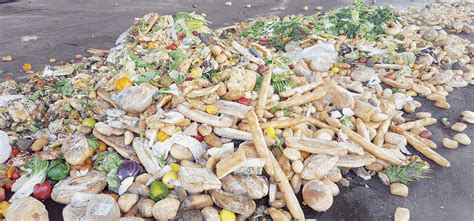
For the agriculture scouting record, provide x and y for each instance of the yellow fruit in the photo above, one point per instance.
(196, 73)
(169, 179)
(122, 83)
(271, 132)
(3, 208)
(27, 67)
(174, 167)
(162, 136)
(227, 215)
(335, 70)
(211, 109)
(152, 45)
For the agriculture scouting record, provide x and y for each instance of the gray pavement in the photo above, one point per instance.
(68, 27)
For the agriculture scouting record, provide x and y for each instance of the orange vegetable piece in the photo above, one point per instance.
(10, 172)
(102, 146)
(27, 67)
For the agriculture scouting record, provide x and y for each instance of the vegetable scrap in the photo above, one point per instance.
(179, 121)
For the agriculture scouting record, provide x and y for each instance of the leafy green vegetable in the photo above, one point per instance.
(23, 187)
(35, 96)
(189, 22)
(64, 87)
(113, 182)
(176, 76)
(407, 174)
(258, 83)
(178, 56)
(107, 161)
(93, 142)
(139, 62)
(58, 170)
(359, 19)
(146, 77)
(279, 143)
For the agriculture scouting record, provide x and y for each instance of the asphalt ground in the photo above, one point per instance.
(67, 27)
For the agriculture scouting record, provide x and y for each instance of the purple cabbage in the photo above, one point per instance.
(129, 168)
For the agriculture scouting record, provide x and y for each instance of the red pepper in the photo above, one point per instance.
(15, 151)
(195, 33)
(15, 175)
(42, 191)
(181, 36)
(310, 27)
(244, 101)
(199, 137)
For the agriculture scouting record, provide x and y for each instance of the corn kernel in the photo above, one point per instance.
(211, 109)
(162, 136)
(335, 70)
(271, 132)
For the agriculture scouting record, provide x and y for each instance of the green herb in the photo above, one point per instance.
(407, 174)
(258, 83)
(279, 143)
(346, 121)
(35, 96)
(162, 160)
(275, 108)
(64, 87)
(34, 128)
(93, 142)
(256, 30)
(287, 112)
(396, 90)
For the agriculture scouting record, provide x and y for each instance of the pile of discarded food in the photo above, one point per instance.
(179, 121)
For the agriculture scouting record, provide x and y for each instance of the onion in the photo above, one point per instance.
(128, 168)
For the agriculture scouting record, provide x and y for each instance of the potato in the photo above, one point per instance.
(317, 195)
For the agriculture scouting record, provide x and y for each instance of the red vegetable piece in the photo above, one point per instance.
(426, 134)
(181, 36)
(42, 191)
(199, 137)
(9, 185)
(244, 101)
(15, 151)
(15, 175)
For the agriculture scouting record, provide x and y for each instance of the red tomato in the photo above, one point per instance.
(244, 101)
(8, 186)
(263, 42)
(42, 191)
(199, 137)
(195, 33)
(171, 46)
(15, 175)
(15, 151)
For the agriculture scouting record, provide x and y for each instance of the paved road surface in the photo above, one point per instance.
(68, 27)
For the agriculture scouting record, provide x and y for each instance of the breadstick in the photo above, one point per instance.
(263, 95)
(421, 147)
(284, 123)
(372, 148)
(291, 201)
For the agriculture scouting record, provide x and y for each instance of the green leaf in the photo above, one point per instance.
(93, 142)
(407, 174)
